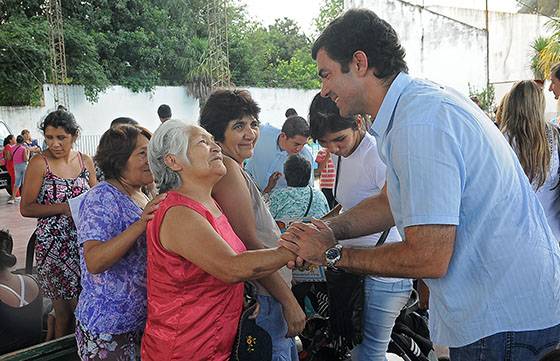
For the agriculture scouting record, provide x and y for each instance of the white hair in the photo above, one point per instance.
(170, 138)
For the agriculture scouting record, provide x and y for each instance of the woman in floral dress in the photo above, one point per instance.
(51, 179)
(112, 218)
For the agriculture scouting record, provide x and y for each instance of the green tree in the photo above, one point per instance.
(24, 58)
(329, 11)
(299, 72)
(544, 7)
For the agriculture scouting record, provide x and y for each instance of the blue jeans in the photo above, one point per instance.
(271, 318)
(509, 346)
(383, 303)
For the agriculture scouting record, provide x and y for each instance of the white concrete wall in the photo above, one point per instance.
(435, 45)
(116, 101)
(448, 45)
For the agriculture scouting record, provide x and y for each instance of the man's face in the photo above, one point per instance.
(293, 145)
(554, 86)
(342, 88)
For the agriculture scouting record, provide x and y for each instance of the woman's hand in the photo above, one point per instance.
(295, 318)
(272, 180)
(151, 208)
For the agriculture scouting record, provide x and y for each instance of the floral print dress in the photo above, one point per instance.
(56, 247)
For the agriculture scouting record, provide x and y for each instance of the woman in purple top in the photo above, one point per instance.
(111, 310)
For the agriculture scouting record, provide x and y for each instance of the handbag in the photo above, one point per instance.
(346, 296)
(252, 342)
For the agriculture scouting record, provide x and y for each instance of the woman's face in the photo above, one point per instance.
(137, 170)
(341, 143)
(13, 140)
(58, 141)
(240, 138)
(205, 156)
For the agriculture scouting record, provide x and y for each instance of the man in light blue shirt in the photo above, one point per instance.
(273, 148)
(470, 222)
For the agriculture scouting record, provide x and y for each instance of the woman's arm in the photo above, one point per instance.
(204, 247)
(238, 208)
(7, 154)
(100, 256)
(29, 207)
(88, 162)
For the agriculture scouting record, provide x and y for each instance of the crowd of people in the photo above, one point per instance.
(144, 249)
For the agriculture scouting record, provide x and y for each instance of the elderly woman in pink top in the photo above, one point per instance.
(196, 263)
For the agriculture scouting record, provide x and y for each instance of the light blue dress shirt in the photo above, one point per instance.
(447, 163)
(269, 158)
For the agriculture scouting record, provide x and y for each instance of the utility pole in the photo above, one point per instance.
(487, 46)
(57, 52)
(218, 45)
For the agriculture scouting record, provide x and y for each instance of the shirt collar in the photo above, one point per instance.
(385, 112)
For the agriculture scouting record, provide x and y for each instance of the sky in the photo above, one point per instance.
(302, 11)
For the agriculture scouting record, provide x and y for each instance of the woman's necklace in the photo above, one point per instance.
(139, 198)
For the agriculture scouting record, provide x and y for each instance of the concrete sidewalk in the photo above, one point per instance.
(20, 227)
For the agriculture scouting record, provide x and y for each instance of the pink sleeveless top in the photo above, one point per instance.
(191, 314)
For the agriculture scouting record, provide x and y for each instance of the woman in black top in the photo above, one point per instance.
(20, 303)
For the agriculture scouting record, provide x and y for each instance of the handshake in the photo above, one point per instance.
(308, 241)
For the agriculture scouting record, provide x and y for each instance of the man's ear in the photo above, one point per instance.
(170, 161)
(360, 62)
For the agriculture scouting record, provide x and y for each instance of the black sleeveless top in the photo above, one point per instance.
(20, 327)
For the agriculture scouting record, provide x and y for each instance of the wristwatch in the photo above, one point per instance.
(332, 255)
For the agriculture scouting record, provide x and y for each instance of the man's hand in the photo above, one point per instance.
(309, 241)
(295, 318)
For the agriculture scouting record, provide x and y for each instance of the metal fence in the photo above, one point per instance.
(86, 144)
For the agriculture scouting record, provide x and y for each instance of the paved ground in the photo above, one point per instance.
(21, 228)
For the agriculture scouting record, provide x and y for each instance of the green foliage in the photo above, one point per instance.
(24, 57)
(485, 97)
(299, 72)
(544, 7)
(329, 11)
(546, 51)
(143, 43)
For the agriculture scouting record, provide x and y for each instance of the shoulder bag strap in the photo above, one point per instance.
(383, 237)
(310, 201)
(339, 161)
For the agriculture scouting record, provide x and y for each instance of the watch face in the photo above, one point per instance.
(332, 253)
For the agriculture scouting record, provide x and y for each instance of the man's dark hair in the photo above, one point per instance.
(116, 146)
(164, 111)
(225, 105)
(61, 119)
(123, 120)
(324, 117)
(295, 125)
(361, 29)
(7, 259)
(553, 355)
(555, 70)
(297, 171)
(290, 112)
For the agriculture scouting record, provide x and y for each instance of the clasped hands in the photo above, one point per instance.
(308, 241)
